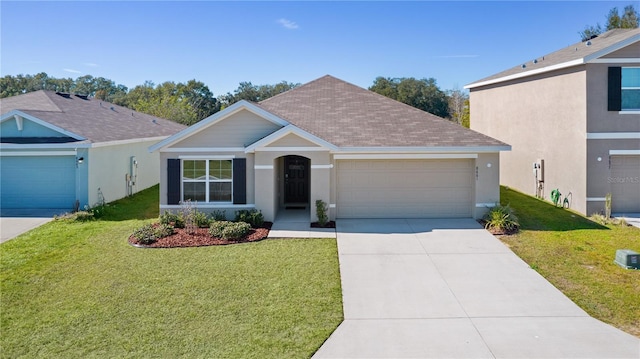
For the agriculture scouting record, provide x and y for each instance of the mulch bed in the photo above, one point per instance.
(180, 238)
(330, 224)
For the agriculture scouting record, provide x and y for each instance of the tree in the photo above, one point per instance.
(250, 92)
(423, 94)
(458, 106)
(628, 20)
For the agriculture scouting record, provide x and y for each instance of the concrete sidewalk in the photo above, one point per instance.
(11, 227)
(449, 289)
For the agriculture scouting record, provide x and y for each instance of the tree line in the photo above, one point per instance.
(615, 20)
(190, 102)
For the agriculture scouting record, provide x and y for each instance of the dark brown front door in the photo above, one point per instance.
(296, 183)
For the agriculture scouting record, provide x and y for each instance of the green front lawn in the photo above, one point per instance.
(576, 255)
(75, 290)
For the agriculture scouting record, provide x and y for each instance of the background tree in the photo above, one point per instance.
(628, 20)
(255, 93)
(458, 106)
(423, 94)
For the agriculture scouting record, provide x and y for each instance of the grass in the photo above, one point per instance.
(72, 290)
(576, 255)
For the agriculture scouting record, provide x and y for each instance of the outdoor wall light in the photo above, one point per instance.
(488, 165)
(80, 160)
(599, 159)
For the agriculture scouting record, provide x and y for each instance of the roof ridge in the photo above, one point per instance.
(296, 88)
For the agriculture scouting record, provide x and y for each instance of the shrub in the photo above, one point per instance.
(321, 212)
(200, 219)
(219, 215)
(501, 218)
(253, 217)
(79, 216)
(173, 219)
(150, 233)
(229, 230)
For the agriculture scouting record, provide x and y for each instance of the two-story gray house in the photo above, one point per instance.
(573, 120)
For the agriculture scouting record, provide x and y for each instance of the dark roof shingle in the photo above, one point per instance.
(350, 116)
(96, 120)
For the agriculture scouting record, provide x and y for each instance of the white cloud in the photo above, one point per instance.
(288, 24)
(90, 64)
(72, 71)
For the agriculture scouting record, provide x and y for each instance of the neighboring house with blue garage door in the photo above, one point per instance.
(61, 151)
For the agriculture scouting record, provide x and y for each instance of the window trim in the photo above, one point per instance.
(622, 88)
(206, 181)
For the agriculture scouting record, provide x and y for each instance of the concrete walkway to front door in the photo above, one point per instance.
(295, 223)
(448, 289)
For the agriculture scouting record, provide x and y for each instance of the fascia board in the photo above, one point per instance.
(615, 47)
(10, 114)
(476, 149)
(217, 117)
(290, 129)
(542, 70)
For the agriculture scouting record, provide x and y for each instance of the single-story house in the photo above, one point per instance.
(573, 119)
(363, 154)
(61, 152)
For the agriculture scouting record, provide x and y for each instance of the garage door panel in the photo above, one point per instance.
(37, 182)
(410, 188)
(625, 184)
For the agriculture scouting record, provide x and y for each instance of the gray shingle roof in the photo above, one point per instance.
(350, 116)
(568, 54)
(96, 120)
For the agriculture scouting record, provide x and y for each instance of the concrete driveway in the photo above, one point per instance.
(14, 222)
(448, 289)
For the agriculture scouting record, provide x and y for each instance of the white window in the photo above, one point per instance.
(630, 89)
(207, 180)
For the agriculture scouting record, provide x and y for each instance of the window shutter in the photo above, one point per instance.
(239, 181)
(615, 89)
(173, 181)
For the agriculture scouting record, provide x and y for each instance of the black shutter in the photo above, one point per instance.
(173, 181)
(240, 181)
(615, 89)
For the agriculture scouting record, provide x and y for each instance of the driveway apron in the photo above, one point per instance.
(446, 288)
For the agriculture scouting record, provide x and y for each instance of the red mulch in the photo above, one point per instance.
(330, 224)
(180, 238)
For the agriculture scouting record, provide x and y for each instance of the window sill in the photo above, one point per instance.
(210, 205)
(629, 112)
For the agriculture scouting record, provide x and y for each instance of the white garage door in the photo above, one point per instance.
(405, 188)
(625, 184)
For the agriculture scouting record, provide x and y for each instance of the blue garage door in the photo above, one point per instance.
(37, 182)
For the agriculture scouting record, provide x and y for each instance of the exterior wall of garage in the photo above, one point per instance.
(108, 167)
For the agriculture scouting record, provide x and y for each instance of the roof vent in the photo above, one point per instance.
(535, 61)
(588, 43)
(63, 94)
(524, 66)
(84, 97)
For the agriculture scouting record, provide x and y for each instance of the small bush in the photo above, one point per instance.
(79, 216)
(229, 230)
(604, 220)
(501, 218)
(150, 233)
(219, 215)
(201, 220)
(253, 217)
(321, 212)
(173, 219)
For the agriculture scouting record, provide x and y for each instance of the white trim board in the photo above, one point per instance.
(618, 60)
(263, 167)
(37, 153)
(408, 156)
(624, 152)
(40, 122)
(203, 149)
(613, 135)
(205, 157)
(596, 199)
(423, 150)
(321, 167)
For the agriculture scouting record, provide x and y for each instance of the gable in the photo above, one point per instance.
(238, 130)
(630, 51)
(292, 140)
(21, 127)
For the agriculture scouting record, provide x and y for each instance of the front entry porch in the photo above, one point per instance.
(294, 223)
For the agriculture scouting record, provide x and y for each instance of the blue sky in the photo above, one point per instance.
(224, 43)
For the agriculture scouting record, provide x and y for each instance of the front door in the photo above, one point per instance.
(296, 181)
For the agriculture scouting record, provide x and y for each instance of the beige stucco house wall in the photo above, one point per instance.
(556, 108)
